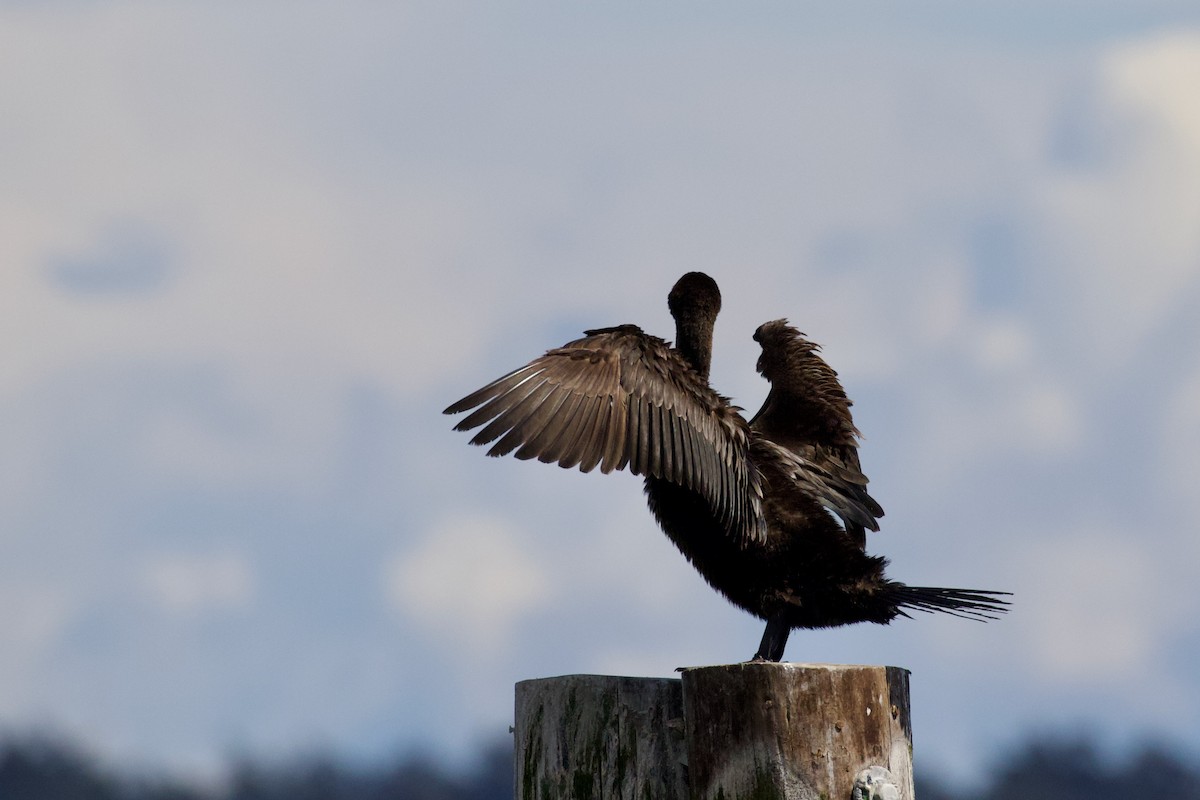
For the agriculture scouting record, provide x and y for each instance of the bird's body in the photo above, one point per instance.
(748, 503)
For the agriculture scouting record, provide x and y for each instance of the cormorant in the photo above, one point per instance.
(748, 503)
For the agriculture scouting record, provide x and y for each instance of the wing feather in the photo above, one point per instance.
(537, 423)
(581, 446)
(526, 405)
(549, 445)
(660, 452)
(491, 404)
(636, 438)
(660, 443)
(616, 454)
(493, 390)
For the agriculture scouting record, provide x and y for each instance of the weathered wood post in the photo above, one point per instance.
(755, 730)
(795, 730)
(596, 736)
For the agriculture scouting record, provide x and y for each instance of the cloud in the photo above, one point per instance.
(129, 259)
(188, 584)
(1120, 229)
(1100, 618)
(33, 619)
(1179, 438)
(187, 178)
(471, 580)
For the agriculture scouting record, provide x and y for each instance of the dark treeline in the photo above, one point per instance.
(42, 769)
(1042, 769)
(1071, 769)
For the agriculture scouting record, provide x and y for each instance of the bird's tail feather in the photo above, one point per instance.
(981, 604)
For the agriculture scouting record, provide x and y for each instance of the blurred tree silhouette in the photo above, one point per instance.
(1053, 769)
(38, 769)
(1041, 769)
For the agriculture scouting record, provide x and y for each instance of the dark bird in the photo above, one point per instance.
(748, 503)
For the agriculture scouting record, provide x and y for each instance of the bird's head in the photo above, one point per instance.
(694, 295)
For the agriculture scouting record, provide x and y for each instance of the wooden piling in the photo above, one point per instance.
(756, 731)
(587, 737)
(795, 730)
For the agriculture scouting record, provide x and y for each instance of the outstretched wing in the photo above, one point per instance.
(621, 398)
(819, 472)
(807, 413)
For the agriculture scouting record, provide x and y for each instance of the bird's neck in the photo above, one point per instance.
(693, 340)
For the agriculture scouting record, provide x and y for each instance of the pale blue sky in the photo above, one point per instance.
(251, 253)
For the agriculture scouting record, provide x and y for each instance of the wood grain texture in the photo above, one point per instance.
(795, 731)
(593, 737)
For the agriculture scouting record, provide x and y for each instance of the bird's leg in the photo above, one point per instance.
(774, 640)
